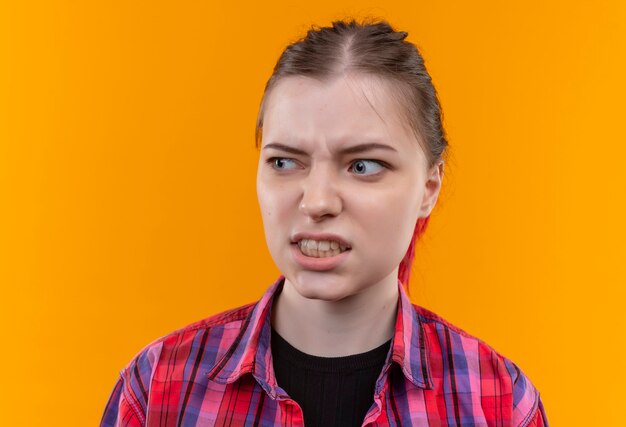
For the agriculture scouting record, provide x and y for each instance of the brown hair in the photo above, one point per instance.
(376, 49)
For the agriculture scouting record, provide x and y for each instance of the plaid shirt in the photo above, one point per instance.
(218, 372)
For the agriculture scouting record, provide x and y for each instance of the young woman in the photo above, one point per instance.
(351, 164)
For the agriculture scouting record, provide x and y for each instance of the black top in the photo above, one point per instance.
(332, 391)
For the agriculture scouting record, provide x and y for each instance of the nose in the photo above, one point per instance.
(320, 198)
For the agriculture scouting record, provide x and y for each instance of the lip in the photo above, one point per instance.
(320, 236)
(317, 264)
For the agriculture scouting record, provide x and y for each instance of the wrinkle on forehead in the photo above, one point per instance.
(359, 85)
(370, 92)
(383, 91)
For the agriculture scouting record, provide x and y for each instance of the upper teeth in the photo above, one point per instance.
(321, 245)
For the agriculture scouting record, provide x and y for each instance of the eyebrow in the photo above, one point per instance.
(360, 148)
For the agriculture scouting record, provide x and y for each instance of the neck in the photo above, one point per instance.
(351, 325)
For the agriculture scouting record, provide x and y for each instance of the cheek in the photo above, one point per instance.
(276, 207)
(394, 203)
(388, 218)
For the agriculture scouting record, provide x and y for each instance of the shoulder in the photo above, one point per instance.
(185, 354)
(459, 363)
(206, 340)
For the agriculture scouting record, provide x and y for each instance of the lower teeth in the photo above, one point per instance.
(317, 254)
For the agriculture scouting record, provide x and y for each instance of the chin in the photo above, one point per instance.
(321, 285)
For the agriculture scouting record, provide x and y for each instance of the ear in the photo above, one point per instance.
(432, 186)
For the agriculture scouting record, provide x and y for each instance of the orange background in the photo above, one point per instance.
(128, 206)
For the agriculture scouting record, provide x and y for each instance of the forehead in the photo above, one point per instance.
(348, 108)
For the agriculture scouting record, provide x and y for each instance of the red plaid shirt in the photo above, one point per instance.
(218, 371)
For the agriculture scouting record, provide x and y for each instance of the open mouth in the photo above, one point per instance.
(321, 248)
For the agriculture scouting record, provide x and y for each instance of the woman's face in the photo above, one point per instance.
(341, 183)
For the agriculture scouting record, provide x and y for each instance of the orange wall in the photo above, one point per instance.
(128, 206)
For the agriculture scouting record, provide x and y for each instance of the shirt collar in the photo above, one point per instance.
(251, 352)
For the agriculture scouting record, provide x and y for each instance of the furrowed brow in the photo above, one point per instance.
(367, 147)
(361, 148)
(286, 148)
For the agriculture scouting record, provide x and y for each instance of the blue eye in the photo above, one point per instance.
(280, 163)
(366, 167)
(360, 167)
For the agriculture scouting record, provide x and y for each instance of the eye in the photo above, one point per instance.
(367, 167)
(281, 163)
